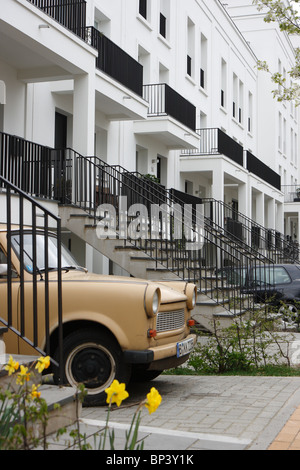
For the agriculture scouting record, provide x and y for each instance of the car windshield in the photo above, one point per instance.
(67, 259)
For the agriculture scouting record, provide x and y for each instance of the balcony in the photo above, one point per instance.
(69, 13)
(291, 193)
(38, 47)
(258, 168)
(119, 84)
(171, 118)
(115, 62)
(215, 142)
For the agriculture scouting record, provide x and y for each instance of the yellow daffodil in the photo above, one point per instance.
(34, 392)
(11, 366)
(116, 393)
(153, 400)
(23, 375)
(42, 363)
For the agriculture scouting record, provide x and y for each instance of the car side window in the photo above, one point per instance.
(3, 261)
(271, 275)
(3, 257)
(281, 276)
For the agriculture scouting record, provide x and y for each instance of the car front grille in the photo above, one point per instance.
(167, 321)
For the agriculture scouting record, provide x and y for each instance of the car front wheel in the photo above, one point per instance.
(290, 314)
(94, 359)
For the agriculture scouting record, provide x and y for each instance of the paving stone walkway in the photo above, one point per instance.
(210, 412)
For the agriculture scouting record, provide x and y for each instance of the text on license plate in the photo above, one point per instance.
(185, 347)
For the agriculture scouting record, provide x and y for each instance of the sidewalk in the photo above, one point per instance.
(210, 412)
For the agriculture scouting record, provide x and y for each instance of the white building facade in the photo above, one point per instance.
(161, 87)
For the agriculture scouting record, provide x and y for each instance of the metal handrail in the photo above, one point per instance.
(88, 182)
(276, 246)
(32, 303)
(94, 182)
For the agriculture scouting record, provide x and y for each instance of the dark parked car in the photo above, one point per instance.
(278, 285)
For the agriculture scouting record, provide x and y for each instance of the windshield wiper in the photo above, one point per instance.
(63, 268)
(69, 268)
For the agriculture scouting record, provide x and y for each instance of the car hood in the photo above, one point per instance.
(167, 293)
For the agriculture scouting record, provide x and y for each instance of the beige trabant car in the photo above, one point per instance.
(113, 327)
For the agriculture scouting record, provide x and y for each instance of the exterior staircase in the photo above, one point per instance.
(154, 260)
(81, 184)
(163, 257)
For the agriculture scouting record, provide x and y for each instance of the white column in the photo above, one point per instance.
(84, 129)
(218, 183)
(243, 199)
(280, 217)
(260, 209)
(271, 214)
(84, 114)
(218, 192)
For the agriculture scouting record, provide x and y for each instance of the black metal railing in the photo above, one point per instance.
(28, 166)
(31, 296)
(214, 141)
(291, 192)
(114, 61)
(48, 173)
(258, 168)
(69, 13)
(163, 100)
(274, 245)
(176, 237)
(172, 239)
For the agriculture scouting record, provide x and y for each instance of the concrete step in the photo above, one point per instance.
(62, 404)
(68, 411)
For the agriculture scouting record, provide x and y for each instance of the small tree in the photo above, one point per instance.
(286, 14)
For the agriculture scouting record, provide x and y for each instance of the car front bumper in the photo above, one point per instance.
(172, 354)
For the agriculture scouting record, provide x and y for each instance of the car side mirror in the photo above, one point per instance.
(3, 269)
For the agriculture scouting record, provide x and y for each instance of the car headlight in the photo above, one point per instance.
(152, 300)
(191, 293)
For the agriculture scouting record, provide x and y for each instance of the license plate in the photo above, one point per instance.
(185, 347)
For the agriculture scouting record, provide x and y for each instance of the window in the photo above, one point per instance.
(4, 266)
(144, 59)
(271, 276)
(223, 98)
(203, 67)
(235, 96)
(164, 19)
(223, 83)
(163, 74)
(163, 26)
(143, 8)
(202, 78)
(279, 72)
(189, 65)
(190, 48)
(250, 111)
(241, 101)
(279, 131)
(284, 137)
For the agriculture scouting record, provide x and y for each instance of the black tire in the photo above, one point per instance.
(93, 358)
